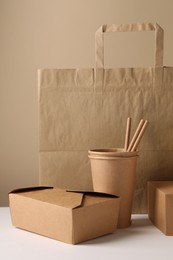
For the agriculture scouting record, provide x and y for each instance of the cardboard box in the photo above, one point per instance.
(160, 205)
(71, 217)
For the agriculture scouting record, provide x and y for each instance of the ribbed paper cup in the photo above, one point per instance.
(115, 174)
(118, 152)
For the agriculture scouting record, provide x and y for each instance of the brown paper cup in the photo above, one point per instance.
(112, 152)
(115, 174)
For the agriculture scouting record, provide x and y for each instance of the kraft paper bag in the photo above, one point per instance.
(83, 109)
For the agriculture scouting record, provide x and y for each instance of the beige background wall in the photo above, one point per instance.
(60, 33)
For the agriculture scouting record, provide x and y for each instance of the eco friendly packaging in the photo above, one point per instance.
(113, 172)
(71, 217)
(82, 109)
(160, 205)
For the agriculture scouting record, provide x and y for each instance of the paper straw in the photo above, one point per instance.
(139, 136)
(127, 137)
(135, 135)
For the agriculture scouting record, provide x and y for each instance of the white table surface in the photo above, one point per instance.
(140, 241)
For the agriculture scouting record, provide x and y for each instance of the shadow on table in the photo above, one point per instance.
(139, 226)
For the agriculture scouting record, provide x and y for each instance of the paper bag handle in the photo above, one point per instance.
(99, 40)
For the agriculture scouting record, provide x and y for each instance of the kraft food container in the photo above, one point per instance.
(68, 216)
